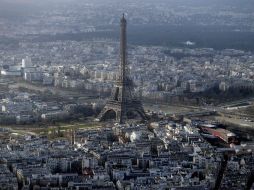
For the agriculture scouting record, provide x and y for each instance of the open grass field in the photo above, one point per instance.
(47, 130)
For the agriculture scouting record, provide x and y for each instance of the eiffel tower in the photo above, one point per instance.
(122, 101)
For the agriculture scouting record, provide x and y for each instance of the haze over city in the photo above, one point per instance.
(127, 94)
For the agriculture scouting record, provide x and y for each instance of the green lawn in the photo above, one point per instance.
(45, 130)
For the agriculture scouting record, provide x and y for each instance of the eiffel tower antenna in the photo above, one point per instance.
(122, 101)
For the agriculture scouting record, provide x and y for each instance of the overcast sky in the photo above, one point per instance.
(24, 7)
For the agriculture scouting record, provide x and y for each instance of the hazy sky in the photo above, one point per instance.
(10, 8)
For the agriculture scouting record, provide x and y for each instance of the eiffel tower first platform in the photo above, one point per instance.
(122, 101)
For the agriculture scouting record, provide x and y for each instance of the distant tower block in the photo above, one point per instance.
(73, 136)
(27, 62)
(122, 102)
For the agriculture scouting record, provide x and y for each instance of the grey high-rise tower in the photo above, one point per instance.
(122, 101)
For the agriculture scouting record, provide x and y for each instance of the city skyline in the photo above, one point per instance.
(166, 103)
